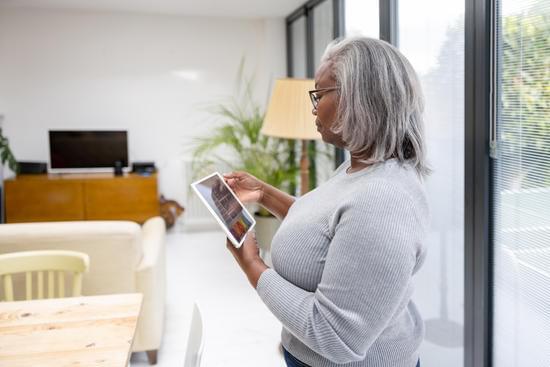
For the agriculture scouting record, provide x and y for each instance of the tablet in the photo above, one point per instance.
(229, 212)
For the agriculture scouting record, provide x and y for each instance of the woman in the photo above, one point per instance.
(345, 253)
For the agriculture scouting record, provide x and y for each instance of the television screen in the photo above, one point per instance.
(88, 149)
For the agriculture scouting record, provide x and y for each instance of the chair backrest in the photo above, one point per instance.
(195, 341)
(45, 262)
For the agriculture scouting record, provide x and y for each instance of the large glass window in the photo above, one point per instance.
(323, 30)
(323, 34)
(362, 18)
(310, 34)
(521, 186)
(431, 36)
(298, 48)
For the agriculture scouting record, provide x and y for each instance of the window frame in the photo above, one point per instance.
(478, 256)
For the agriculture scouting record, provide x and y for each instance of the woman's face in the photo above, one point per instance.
(327, 107)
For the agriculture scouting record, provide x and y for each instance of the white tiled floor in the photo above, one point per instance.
(239, 329)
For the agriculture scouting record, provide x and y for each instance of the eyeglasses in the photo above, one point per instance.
(316, 97)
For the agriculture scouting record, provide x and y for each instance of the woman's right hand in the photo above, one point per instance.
(248, 188)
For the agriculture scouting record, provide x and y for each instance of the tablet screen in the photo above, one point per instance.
(235, 220)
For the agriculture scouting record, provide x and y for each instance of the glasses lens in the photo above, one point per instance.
(314, 99)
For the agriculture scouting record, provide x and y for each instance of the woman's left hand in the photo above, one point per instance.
(248, 258)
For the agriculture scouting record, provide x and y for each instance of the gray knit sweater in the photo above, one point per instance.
(343, 262)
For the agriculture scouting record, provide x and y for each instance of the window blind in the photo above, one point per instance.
(521, 185)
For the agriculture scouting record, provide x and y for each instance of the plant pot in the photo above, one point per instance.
(265, 230)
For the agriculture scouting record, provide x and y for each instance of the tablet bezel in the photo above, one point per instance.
(220, 221)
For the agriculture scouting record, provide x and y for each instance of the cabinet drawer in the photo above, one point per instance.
(44, 201)
(130, 198)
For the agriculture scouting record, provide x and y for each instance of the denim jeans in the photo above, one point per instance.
(291, 361)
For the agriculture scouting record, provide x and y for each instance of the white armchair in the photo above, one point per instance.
(124, 258)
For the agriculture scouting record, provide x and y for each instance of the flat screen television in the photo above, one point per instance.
(84, 150)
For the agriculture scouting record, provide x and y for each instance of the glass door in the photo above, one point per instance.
(521, 185)
(431, 36)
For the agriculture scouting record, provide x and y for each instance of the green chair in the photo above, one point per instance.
(47, 264)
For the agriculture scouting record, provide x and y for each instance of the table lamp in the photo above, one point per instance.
(289, 116)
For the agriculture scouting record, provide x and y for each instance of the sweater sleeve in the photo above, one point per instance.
(367, 275)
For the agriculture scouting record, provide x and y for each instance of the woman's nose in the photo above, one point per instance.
(314, 112)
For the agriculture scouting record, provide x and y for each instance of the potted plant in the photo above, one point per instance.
(238, 143)
(6, 156)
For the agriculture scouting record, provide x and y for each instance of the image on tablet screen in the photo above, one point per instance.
(227, 208)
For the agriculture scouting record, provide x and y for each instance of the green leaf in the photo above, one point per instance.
(238, 143)
(6, 154)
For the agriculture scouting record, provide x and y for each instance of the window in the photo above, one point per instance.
(431, 36)
(521, 185)
(323, 30)
(298, 50)
(502, 237)
(310, 29)
(362, 18)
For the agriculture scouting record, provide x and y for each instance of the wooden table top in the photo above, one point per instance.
(79, 331)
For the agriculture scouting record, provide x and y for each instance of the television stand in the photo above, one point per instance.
(81, 196)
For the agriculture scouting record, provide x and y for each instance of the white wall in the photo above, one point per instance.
(148, 74)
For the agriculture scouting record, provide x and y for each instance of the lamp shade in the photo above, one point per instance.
(289, 111)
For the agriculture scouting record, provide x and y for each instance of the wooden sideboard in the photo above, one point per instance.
(59, 197)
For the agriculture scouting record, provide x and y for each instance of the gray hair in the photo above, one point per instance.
(380, 102)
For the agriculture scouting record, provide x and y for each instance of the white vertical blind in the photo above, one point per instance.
(521, 186)
(431, 36)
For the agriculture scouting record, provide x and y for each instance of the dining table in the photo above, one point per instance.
(76, 331)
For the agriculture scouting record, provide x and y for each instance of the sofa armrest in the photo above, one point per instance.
(151, 281)
(153, 235)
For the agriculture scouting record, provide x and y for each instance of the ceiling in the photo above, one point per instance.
(217, 8)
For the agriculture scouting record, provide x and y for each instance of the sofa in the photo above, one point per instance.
(124, 258)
